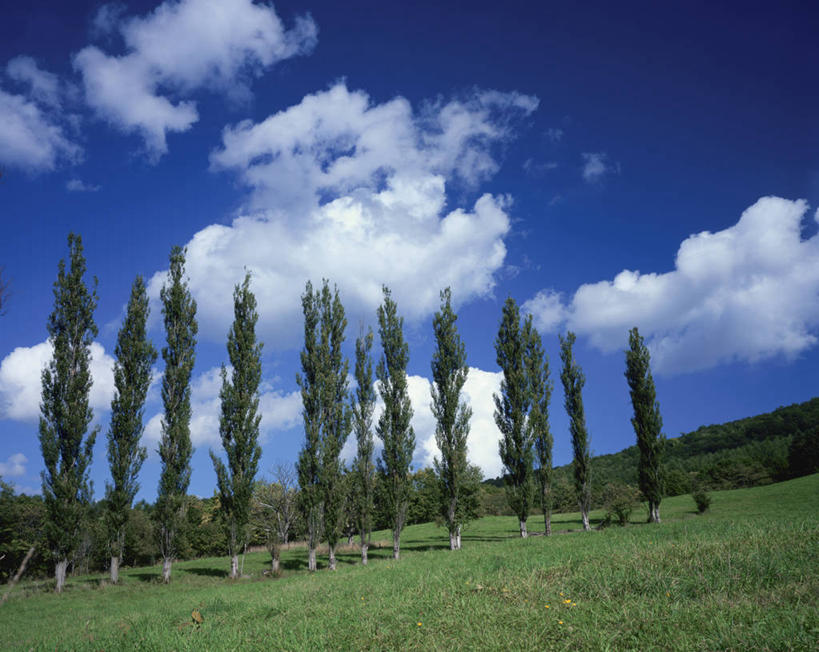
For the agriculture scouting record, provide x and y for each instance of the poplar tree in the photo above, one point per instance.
(179, 312)
(363, 405)
(394, 427)
(511, 410)
(647, 423)
(132, 378)
(323, 384)
(65, 412)
(239, 422)
(452, 415)
(540, 390)
(573, 380)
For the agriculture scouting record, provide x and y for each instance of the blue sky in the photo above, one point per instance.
(608, 166)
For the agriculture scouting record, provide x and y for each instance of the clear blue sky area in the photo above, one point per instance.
(608, 165)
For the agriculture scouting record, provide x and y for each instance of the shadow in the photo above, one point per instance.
(145, 577)
(293, 564)
(204, 571)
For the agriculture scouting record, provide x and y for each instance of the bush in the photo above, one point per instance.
(702, 498)
(619, 501)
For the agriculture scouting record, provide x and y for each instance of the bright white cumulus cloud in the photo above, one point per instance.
(14, 466)
(21, 380)
(746, 293)
(482, 442)
(180, 48)
(279, 411)
(355, 192)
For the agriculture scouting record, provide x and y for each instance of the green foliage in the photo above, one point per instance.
(179, 312)
(393, 426)
(239, 419)
(573, 380)
(22, 525)
(646, 421)
(803, 453)
(540, 391)
(132, 377)
(327, 417)
(452, 414)
(511, 409)
(619, 501)
(362, 406)
(65, 411)
(702, 499)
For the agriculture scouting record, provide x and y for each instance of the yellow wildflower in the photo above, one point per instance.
(419, 624)
(559, 622)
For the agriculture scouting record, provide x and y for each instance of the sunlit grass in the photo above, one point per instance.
(742, 576)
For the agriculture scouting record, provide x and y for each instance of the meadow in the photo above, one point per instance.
(744, 575)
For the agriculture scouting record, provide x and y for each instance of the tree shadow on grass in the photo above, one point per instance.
(205, 571)
(145, 577)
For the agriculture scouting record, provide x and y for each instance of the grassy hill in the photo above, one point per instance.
(745, 575)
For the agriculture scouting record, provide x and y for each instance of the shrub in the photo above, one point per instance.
(702, 498)
(619, 501)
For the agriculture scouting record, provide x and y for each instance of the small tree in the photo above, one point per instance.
(363, 405)
(239, 422)
(573, 380)
(540, 390)
(175, 451)
(277, 510)
(132, 378)
(511, 409)
(452, 415)
(394, 427)
(647, 423)
(65, 412)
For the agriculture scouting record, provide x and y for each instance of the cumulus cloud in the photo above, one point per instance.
(77, 185)
(43, 86)
(482, 443)
(279, 410)
(355, 192)
(32, 138)
(14, 466)
(177, 49)
(20, 380)
(746, 293)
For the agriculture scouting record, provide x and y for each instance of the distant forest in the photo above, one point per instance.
(753, 451)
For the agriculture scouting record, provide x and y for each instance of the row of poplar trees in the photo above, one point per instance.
(331, 411)
(522, 416)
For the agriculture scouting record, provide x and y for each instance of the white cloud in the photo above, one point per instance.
(14, 466)
(20, 380)
(30, 137)
(177, 49)
(43, 86)
(547, 310)
(279, 410)
(356, 193)
(77, 185)
(554, 134)
(482, 443)
(596, 166)
(746, 293)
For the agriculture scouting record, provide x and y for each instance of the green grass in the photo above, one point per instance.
(743, 576)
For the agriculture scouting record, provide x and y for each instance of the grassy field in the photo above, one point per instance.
(743, 576)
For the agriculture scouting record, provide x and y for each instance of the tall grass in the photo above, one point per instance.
(743, 576)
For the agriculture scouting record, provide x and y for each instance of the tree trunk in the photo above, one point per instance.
(547, 519)
(311, 559)
(653, 513)
(166, 570)
(274, 565)
(59, 574)
(396, 544)
(114, 569)
(332, 555)
(453, 540)
(350, 538)
(234, 566)
(458, 538)
(585, 516)
(364, 547)
(523, 533)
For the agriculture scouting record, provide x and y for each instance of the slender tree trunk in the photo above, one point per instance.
(458, 537)
(311, 559)
(547, 519)
(114, 569)
(234, 566)
(396, 543)
(523, 533)
(274, 564)
(18, 574)
(453, 540)
(59, 574)
(350, 538)
(585, 516)
(364, 547)
(332, 555)
(166, 570)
